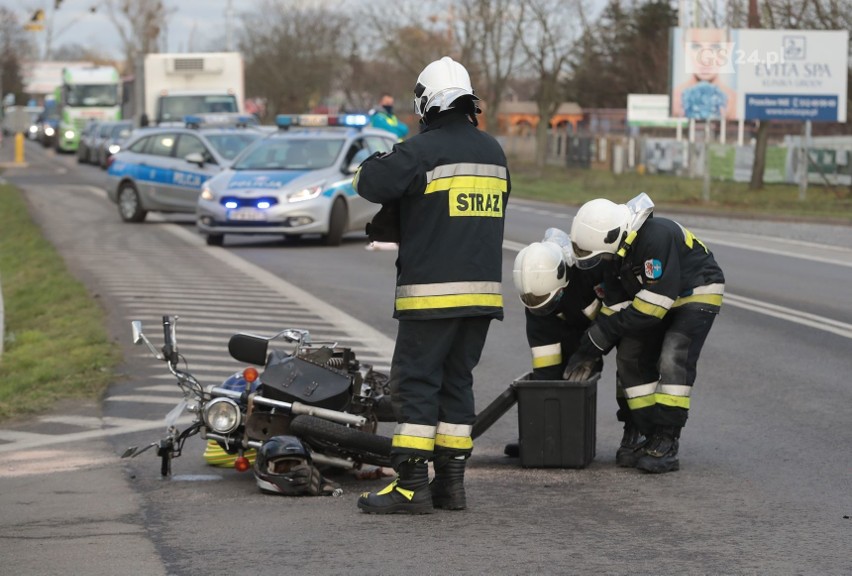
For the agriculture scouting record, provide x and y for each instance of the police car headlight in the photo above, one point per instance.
(114, 148)
(206, 194)
(69, 134)
(222, 415)
(305, 194)
(48, 131)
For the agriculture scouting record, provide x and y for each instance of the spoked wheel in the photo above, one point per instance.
(326, 436)
(129, 205)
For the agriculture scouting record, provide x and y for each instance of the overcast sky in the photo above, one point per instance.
(194, 24)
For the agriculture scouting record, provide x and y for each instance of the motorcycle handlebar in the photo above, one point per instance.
(169, 343)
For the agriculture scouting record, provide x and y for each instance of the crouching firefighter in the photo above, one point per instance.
(672, 290)
(451, 184)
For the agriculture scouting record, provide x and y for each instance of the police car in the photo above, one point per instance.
(163, 169)
(295, 182)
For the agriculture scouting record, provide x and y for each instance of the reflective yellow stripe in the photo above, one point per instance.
(545, 361)
(712, 299)
(547, 355)
(649, 309)
(676, 401)
(449, 301)
(409, 494)
(459, 442)
(413, 442)
(473, 183)
(641, 402)
(664, 399)
(627, 242)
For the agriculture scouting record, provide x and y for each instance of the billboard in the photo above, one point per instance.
(755, 74)
(650, 110)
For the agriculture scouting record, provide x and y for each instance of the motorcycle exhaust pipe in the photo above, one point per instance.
(295, 407)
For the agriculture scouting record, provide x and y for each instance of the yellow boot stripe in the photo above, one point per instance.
(409, 494)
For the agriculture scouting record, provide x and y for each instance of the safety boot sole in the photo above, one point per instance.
(657, 465)
(397, 508)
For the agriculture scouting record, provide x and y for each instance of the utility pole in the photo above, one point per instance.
(229, 43)
(758, 167)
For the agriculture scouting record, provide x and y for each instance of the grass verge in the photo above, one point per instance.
(576, 186)
(55, 344)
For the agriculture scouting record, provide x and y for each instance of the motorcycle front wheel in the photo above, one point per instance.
(325, 436)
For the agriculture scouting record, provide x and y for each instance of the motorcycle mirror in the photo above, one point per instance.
(137, 332)
(140, 338)
(249, 349)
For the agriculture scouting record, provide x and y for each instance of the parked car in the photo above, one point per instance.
(163, 169)
(295, 182)
(87, 139)
(48, 124)
(109, 145)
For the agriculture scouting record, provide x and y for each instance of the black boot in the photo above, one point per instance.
(448, 485)
(407, 494)
(512, 450)
(661, 451)
(632, 446)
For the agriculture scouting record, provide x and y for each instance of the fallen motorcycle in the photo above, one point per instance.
(315, 404)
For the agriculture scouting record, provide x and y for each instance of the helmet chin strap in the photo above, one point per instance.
(626, 243)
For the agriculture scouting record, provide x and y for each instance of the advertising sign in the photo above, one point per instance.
(759, 74)
(650, 110)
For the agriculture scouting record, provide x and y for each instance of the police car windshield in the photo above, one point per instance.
(291, 154)
(230, 145)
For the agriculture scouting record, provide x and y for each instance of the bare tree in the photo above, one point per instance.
(489, 35)
(293, 53)
(139, 24)
(14, 47)
(551, 29)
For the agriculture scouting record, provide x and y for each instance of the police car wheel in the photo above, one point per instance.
(336, 223)
(215, 239)
(129, 205)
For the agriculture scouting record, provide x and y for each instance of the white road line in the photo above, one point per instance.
(140, 399)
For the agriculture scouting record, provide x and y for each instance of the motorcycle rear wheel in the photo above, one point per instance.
(326, 436)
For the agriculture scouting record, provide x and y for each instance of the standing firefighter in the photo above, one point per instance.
(450, 185)
(673, 291)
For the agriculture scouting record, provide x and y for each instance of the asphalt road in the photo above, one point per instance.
(764, 485)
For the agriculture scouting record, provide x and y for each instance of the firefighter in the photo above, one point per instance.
(560, 303)
(673, 290)
(450, 184)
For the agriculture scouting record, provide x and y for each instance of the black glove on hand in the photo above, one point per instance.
(585, 361)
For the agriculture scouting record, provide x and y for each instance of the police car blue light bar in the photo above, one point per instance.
(234, 119)
(285, 121)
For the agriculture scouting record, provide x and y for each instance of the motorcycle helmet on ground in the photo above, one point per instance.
(444, 84)
(284, 466)
(540, 273)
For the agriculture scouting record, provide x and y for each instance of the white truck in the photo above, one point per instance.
(177, 85)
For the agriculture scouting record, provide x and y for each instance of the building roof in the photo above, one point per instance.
(530, 107)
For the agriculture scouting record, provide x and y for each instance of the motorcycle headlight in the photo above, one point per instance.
(222, 415)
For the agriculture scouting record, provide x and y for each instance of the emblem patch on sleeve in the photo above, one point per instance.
(653, 268)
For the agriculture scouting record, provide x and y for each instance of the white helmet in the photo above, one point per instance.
(440, 84)
(598, 229)
(540, 273)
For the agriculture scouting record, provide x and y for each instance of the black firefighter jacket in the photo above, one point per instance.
(451, 185)
(660, 268)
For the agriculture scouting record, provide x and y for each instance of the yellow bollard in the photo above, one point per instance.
(19, 148)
